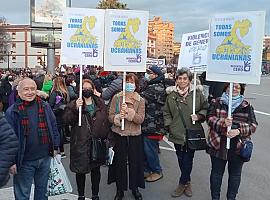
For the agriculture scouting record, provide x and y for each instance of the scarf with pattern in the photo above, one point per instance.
(184, 92)
(42, 124)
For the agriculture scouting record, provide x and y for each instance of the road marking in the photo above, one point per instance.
(166, 148)
(169, 143)
(262, 113)
(264, 95)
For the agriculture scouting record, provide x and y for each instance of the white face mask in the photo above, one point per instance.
(73, 84)
(147, 76)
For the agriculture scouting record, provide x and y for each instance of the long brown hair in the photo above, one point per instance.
(60, 86)
(135, 78)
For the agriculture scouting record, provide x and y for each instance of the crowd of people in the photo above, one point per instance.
(40, 113)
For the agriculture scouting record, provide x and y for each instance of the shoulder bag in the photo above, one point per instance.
(98, 147)
(195, 138)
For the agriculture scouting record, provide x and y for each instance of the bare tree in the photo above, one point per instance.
(4, 39)
(111, 4)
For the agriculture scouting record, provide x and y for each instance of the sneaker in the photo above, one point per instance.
(154, 177)
(63, 155)
(146, 174)
(188, 190)
(178, 191)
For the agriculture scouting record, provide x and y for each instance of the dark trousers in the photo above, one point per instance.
(62, 137)
(218, 168)
(95, 180)
(185, 162)
(130, 148)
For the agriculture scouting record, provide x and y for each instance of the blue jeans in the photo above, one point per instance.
(152, 163)
(185, 162)
(37, 170)
(218, 168)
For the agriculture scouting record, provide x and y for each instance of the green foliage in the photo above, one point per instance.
(111, 4)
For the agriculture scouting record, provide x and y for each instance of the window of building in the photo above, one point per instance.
(13, 33)
(13, 57)
(13, 45)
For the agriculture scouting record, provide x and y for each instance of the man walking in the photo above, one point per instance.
(35, 126)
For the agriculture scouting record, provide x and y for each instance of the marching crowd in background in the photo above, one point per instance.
(40, 114)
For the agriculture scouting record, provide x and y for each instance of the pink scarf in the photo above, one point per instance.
(184, 92)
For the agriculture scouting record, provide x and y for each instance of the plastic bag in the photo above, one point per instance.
(58, 182)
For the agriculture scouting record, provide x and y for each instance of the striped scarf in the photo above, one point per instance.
(42, 124)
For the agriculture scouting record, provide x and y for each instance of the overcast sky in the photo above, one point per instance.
(187, 16)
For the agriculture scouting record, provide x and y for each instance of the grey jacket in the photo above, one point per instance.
(8, 149)
(114, 88)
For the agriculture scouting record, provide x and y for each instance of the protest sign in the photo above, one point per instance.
(155, 61)
(83, 36)
(235, 48)
(194, 50)
(126, 40)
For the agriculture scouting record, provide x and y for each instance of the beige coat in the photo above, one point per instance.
(134, 117)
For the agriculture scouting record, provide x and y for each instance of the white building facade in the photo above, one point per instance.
(20, 53)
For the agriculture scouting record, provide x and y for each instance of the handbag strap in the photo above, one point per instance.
(181, 114)
(88, 126)
(184, 123)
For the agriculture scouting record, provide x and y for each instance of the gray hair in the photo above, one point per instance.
(182, 71)
(19, 86)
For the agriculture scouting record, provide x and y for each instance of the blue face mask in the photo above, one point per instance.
(130, 87)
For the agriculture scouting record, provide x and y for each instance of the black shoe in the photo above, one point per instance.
(137, 194)
(81, 198)
(95, 197)
(119, 195)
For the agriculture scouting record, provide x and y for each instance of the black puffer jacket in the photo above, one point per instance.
(8, 149)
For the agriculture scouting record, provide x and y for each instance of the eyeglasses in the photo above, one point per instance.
(237, 87)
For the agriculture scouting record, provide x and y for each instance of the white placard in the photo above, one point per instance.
(194, 50)
(235, 48)
(155, 61)
(83, 36)
(126, 40)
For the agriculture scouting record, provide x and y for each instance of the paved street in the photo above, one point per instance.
(255, 177)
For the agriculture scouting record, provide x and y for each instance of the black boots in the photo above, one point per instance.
(95, 197)
(119, 195)
(137, 194)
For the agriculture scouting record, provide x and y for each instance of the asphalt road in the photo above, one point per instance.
(255, 184)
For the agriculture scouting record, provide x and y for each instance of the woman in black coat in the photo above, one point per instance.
(8, 149)
(94, 123)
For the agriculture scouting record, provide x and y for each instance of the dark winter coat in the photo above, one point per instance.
(14, 119)
(5, 90)
(8, 149)
(80, 136)
(243, 119)
(172, 119)
(154, 96)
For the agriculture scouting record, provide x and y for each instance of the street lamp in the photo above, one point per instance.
(8, 58)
